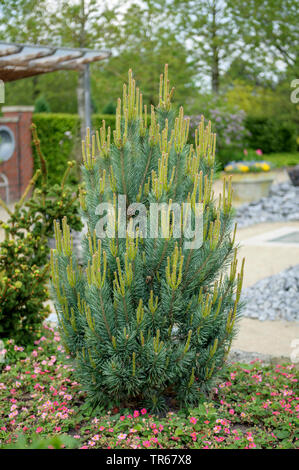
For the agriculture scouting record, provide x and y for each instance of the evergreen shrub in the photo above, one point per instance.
(146, 321)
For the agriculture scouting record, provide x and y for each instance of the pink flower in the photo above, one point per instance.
(245, 152)
(193, 420)
(193, 435)
(217, 429)
(38, 430)
(231, 412)
(259, 152)
(121, 436)
(143, 411)
(146, 443)
(136, 414)
(122, 418)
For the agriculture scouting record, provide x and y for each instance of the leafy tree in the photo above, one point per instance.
(270, 28)
(25, 21)
(146, 40)
(147, 319)
(208, 27)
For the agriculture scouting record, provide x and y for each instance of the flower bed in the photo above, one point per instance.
(252, 406)
(247, 167)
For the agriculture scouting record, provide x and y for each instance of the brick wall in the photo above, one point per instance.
(19, 168)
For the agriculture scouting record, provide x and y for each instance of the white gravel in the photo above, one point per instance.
(282, 204)
(275, 297)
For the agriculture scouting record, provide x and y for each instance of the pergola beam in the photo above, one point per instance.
(19, 61)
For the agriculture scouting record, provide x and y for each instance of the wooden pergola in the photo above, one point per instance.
(19, 61)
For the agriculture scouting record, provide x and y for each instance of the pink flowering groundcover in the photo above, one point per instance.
(252, 406)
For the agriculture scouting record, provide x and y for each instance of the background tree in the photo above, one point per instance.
(145, 40)
(208, 27)
(84, 24)
(270, 28)
(25, 21)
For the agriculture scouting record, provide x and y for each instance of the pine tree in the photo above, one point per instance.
(145, 319)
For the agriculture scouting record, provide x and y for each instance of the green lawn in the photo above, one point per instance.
(282, 159)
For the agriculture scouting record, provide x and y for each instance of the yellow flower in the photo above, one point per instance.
(265, 167)
(244, 168)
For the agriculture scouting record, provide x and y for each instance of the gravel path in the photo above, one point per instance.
(282, 204)
(275, 297)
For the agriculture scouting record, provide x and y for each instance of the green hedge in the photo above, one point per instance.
(60, 140)
(58, 134)
(97, 120)
(271, 135)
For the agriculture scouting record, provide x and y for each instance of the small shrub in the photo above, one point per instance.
(41, 105)
(24, 252)
(144, 319)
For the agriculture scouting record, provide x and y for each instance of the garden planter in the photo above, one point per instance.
(251, 187)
